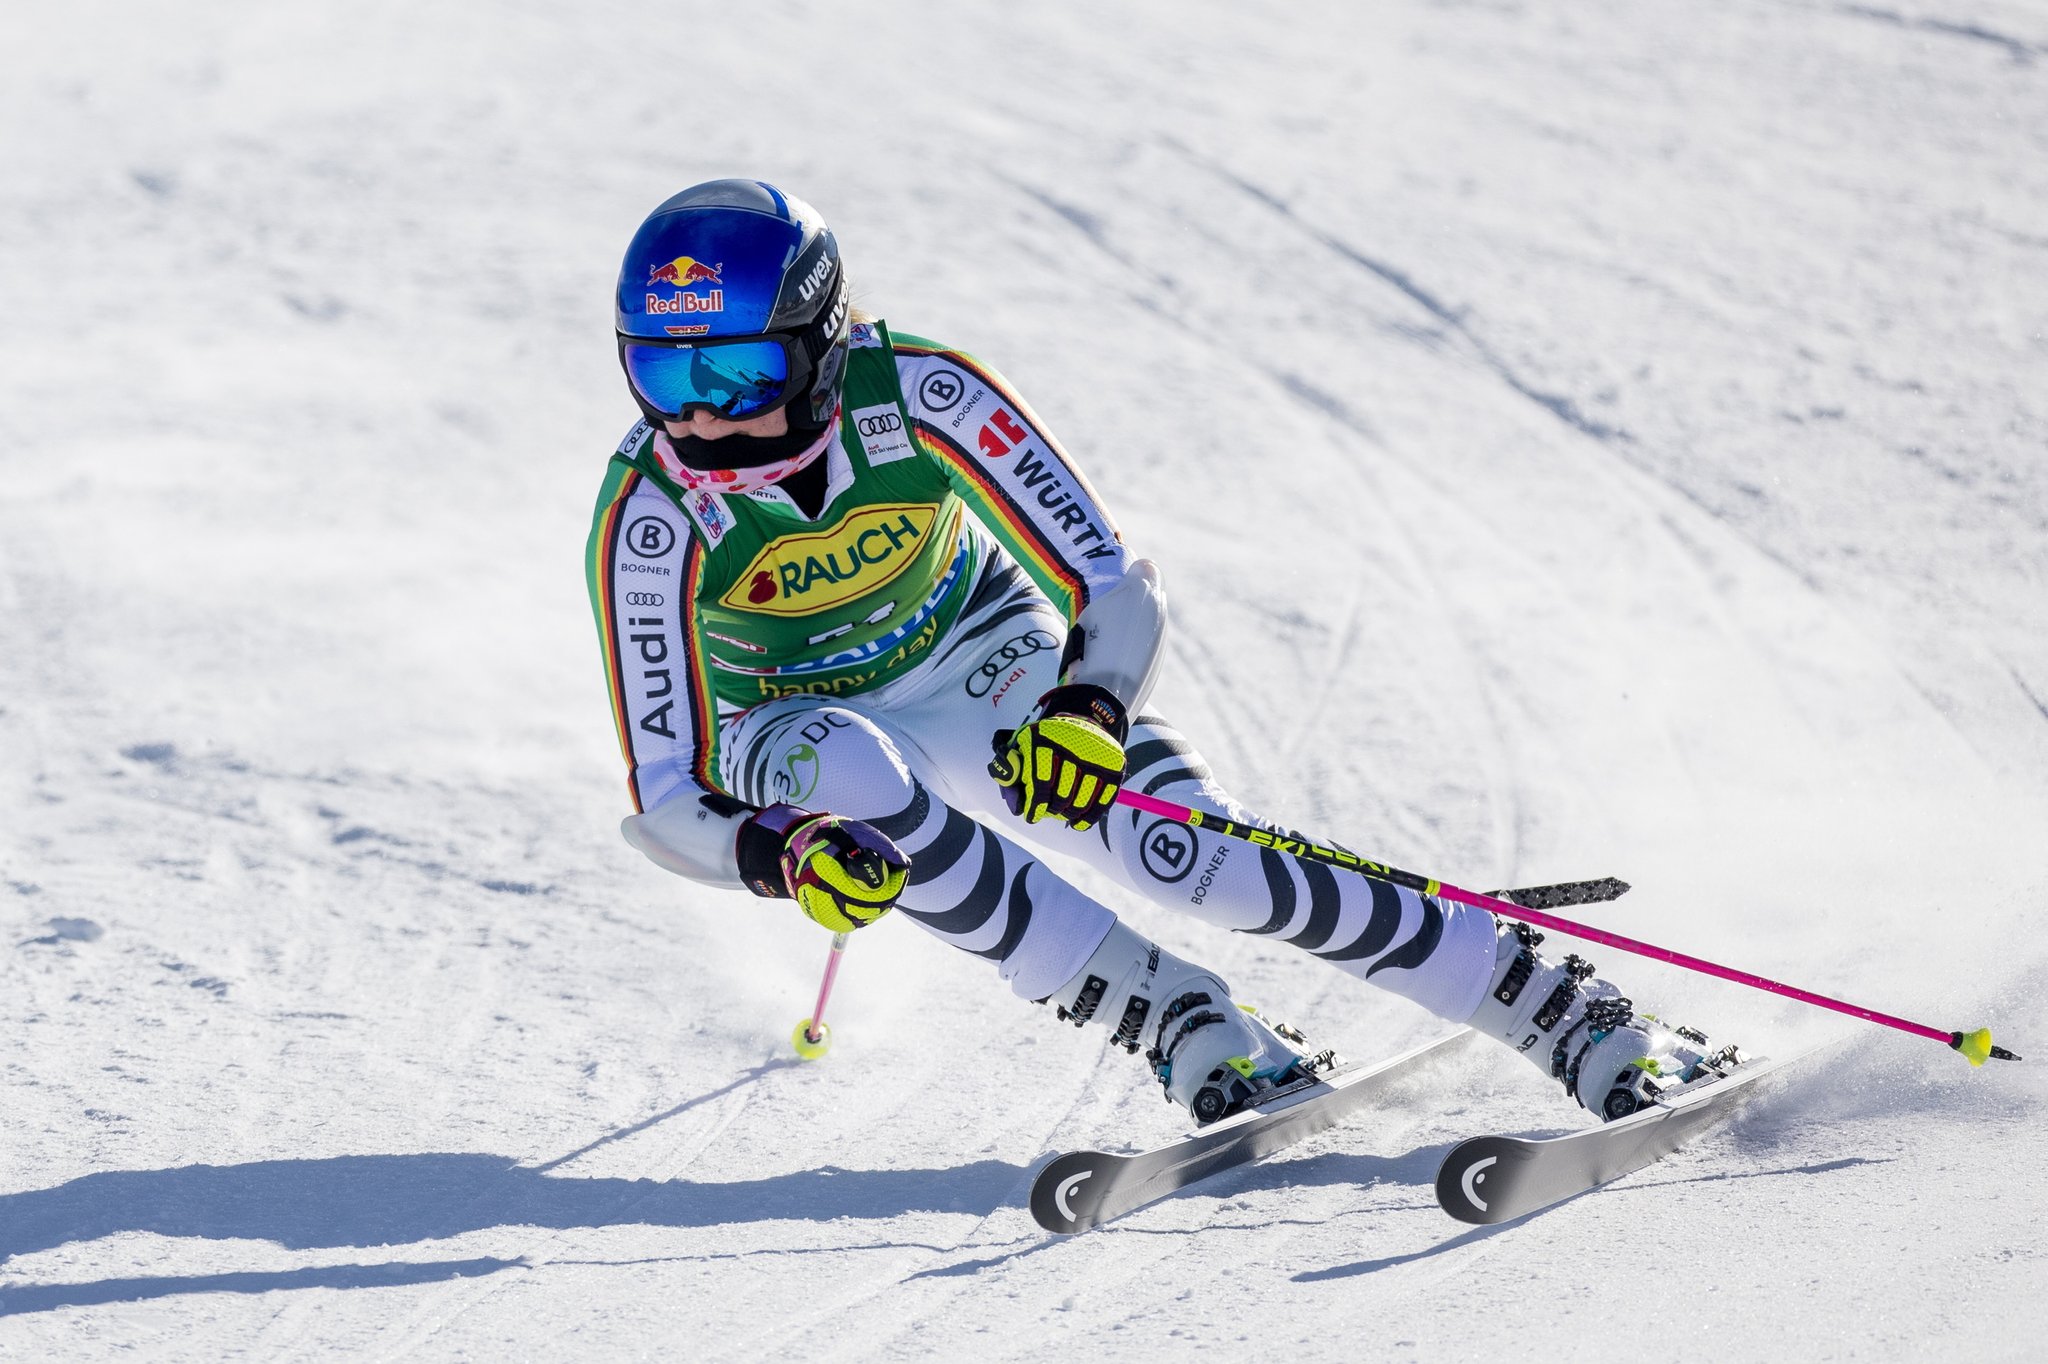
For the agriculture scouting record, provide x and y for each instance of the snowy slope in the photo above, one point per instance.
(1603, 441)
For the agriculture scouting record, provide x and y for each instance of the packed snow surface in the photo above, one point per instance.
(1586, 439)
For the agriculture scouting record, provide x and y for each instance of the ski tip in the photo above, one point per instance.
(1976, 1047)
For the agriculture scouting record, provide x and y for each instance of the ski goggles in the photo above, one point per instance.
(734, 377)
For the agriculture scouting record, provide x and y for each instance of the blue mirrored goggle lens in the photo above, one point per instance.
(738, 380)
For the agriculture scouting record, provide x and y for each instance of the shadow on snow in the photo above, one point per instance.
(386, 1200)
(48, 1297)
(365, 1201)
(1475, 1234)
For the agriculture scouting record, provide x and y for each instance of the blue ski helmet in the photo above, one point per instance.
(732, 299)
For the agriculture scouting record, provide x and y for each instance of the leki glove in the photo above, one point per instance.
(842, 873)
(1067, 760)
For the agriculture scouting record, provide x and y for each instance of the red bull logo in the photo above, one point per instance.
(713, 302)
(685, 271)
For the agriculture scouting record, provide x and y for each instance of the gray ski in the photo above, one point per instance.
(1082, 1189)
(1497, 1179)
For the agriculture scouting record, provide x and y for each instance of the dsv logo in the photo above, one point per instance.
(645, 599)
(881, 424)
(1011, 652)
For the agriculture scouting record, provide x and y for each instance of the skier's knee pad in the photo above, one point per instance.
(828, 758)
(1158, 854)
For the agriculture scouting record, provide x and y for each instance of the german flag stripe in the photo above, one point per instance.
(699, 696)
(1022, 535)
(603, 552)
(1031, 419)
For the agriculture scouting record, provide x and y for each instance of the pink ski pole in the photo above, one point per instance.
(813, 1036)
(1975, 1045)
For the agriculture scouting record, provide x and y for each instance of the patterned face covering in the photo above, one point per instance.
(738, 481)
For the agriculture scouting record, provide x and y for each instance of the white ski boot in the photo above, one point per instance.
(1211, 1055)
(1580, 1030)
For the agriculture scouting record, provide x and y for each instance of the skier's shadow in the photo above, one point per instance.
(393, 1200)
(1424, 1164)
(365, 1201)
(15, 1300)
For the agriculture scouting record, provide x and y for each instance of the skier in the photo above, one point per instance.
(865, 623)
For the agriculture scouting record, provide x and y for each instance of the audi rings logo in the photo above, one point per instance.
(1008, 656)
(880, 424)
(645, 599)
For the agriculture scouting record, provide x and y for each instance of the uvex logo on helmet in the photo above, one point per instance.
(808, 289)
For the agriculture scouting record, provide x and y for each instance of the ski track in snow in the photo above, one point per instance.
(1668, 390)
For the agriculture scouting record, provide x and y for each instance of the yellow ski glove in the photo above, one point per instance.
(1067, 760)
(842, 873)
